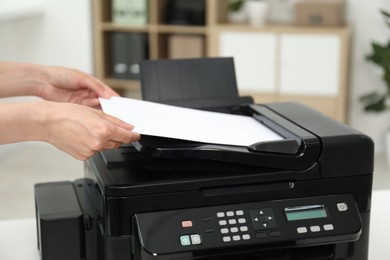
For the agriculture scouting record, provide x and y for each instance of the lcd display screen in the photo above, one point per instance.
(301, 213)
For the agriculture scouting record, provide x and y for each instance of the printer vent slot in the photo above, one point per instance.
(253, 188)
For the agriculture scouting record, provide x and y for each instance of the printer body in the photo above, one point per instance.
(304, 197)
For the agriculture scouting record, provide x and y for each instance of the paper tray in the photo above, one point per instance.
(267, 154)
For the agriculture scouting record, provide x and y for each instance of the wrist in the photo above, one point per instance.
(21, 79)
(24, 122)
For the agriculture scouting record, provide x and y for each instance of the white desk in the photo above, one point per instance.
(18, 237)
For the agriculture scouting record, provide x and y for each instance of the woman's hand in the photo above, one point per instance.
(78, 130)
(82, 131)
(73, 86)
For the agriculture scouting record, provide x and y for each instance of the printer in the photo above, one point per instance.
(306, 196)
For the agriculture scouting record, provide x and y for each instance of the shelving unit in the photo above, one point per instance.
(269, 80)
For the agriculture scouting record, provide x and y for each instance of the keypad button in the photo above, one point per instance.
(230, 213)
(226, 239)
(328, 227)
(224, 230)
(232, 221)
(315, 229)
(244, 229)
(222, 223)
(242, 220)
(246, 237)
(236, 238)
(239, 212)
(220, 214)
(274, 234)
(234, 230)
(302, 230)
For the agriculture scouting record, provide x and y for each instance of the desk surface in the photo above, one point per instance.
(18, 237)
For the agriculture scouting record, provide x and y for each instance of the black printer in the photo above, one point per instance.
(304, 197)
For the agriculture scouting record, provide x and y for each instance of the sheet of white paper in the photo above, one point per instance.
(156, 119)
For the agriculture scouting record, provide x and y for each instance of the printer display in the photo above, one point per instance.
(306, 196)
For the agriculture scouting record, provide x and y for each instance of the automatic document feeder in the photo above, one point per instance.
(306, 197)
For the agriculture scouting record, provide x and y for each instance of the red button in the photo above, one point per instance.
(186, 223)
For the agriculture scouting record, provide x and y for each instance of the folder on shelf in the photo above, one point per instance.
(134, 12)
(126, 51)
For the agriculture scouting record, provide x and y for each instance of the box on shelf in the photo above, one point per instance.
(320, 12)
(185, 46)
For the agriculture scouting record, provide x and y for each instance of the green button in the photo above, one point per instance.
(185, 240)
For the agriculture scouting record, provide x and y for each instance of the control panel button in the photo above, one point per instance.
(239, 212)
(236, 238)
(244, 229)
(342, 206)
(315, 229)
(242, 220)
(230, 213)
(224, 231)
(221, 214)
(195, 239)
(226, 239)
(274, 234)
(263, 219)
(246, 237)
(234, 230)
(232, 221)
(328, 227)
(186, 223)
(222, 223)
(302, 230)
(261, 235)
(185, 240)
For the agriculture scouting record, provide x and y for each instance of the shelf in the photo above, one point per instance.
(180, 29)
(270, 63)
(278, 28)
(111, 27)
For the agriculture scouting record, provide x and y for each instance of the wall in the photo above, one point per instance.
(367, 25)
(63, 37)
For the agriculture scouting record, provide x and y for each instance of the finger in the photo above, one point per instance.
(108, 90)
(90, 102)
(118, 122)
(124, 136)
(110, 144)
(101, 89)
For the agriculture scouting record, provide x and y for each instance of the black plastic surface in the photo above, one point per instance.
(265, 225)
(59, 222)
(208, 83)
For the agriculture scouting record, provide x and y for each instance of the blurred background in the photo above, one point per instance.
(318, 52)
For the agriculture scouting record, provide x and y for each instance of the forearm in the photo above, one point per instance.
(21, 79)
(23, 122)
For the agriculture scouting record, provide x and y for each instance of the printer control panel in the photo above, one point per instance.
(301, 221)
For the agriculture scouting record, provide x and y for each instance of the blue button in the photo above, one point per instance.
(185, 240)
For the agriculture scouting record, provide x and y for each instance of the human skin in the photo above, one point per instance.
(66, 117)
